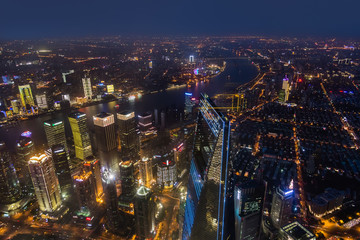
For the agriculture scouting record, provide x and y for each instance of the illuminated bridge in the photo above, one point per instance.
(205, 209)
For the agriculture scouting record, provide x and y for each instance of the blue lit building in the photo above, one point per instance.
(205, 208)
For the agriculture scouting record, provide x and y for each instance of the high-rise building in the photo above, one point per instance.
(104, 125)
(248, 202)
(208, 176)
(144, 211)
(85, 190)
(156, 117)
(146, 172)
(285, 88)
(87, 87)
(45, 181)
(55, 133)
(26, 96)
(92, 165)
(62, 168)
(127, 178)
(15, 106)
(10, 191)
(145, 122)
(24, 150)
(111, 200)
(191, 59)
(166, 172)
(281, 207)
(188, 105)
(129, 139)
(295, 231)
(81, 135)
(41, 101)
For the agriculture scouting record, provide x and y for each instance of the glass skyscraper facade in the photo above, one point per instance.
(81, 135)
(206, 197)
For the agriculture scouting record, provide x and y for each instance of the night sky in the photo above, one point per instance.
(22, 19)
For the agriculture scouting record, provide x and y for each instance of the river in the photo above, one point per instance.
(237, 72)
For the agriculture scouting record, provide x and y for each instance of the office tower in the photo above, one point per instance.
(104, 125)
(26, 96)
(41, 101)
(248, 202)
(64, 74)
(127, 178)
(144, 210)
(81, 135)
(85, 190)
(45, 181)
(105, 135)
(281, 207)
(62, 168)
(10, 191)
(92, 165)
(145, 122)
(146, 173)
(191, 59)
(55, 132)
(285, 88)
(295, 231)
(162, 120)
(151, 64)
(87, 87)
(24, 150)
(111, 201)
(15, 106)
(110, 88)
(188, 105)
(208, 176)
(166, 172)
(129, 139)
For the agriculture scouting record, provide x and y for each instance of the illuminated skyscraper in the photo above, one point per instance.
(285, 88)
(80, 134)
(104, 125)
(129, 139)
(26, 95)
(41, 101)
(188, 105)
(146, 173)
(145, 122)
(92, 165)
(166, 172)
(206, 197)
(84, 188)
(55, 132)
(10, 191)
(191, 59)
(144, 210)
(62, 168)
(113, 222)
(248, 202)
(295, 231)
(127, 178)
(281, 207)
(45, 181)
(24, 150)
(87, 87)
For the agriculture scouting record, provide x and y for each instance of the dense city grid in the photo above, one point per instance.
(180, 138)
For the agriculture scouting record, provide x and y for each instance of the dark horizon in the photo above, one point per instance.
(73, 19)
